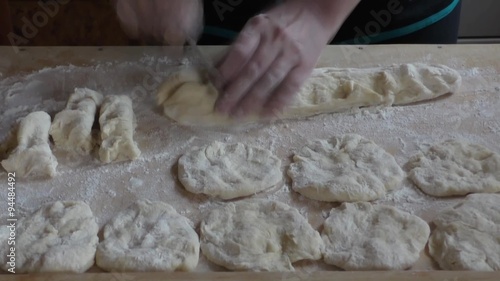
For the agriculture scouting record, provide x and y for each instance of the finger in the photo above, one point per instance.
(237, 88)
(283, 95)
(242, 49)
(261, 91)
(148, 26)
(128, 18)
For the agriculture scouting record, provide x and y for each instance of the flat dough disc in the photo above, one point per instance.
(148, 236)
(362, 236)
(189, 99)
(229, 171)
(258, 235)
(467, 236)
(344, 169)
(456, 168)
(59, 237)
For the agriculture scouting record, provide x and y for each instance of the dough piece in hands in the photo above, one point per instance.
(118, 123)
(71, 129)
(176, 80)
(328, 90)
(32, 156)
(344, 169)
(189, 98)
(229, 171)
(59, 237)
(456, 168)
(362, 236)
(258, 235)
(467, 236)
(148, 236)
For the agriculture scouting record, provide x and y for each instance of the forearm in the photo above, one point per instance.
(333, 13)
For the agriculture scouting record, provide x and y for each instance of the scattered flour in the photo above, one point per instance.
(473, 115)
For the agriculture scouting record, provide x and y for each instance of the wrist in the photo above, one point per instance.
(332, 13)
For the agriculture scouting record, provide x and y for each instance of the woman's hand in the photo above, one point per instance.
(168, 21)
(275, 53)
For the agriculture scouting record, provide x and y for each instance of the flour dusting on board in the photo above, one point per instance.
(472, 115)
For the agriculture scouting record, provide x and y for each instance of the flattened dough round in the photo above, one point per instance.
(362, 236)
(456, 168)
(59, 237)
(467, 236)
(148, 236)
(258, 235)
(229, 171)
(344, 169)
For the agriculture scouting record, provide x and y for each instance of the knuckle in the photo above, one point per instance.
(253, 69)
(281, 33)
(258, 20)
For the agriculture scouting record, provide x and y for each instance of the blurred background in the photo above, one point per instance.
(94, 23)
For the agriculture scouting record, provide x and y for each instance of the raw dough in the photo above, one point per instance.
(118, 123)
(456, 168)
(362, 236)
(59, 237)
(344, 169)
(258, 235)
(229, 171)
(327, 90)
(148, 236)
(467, 236)
(71, 129)
(32, 155)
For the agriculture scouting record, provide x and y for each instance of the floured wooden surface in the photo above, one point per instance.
(42, 79)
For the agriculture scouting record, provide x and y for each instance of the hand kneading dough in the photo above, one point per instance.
(229, 171)
(60, 237)
(32, 155)
(258, 235)
(189, 99)
(118, 123)
(72, 127)
(467, 236)
(362, 236)
(344, 169)
(148, 236)
(456, 168)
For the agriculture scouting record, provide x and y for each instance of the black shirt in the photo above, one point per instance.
(371, 21)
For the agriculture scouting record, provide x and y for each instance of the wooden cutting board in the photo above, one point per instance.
(400, 131)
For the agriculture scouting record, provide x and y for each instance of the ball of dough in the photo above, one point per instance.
(467, 236)
(456, 168)
(148, 236)
(59, 237)
(362, 236)
(344, 169)
(229, 171)
(258, 235)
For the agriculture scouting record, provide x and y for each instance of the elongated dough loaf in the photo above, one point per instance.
(32, 155)
(72, 127)
(118, 123)
(189, 99)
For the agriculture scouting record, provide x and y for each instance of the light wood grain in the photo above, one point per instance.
(463, 57)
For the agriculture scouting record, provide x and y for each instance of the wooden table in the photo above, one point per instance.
(463, 57)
